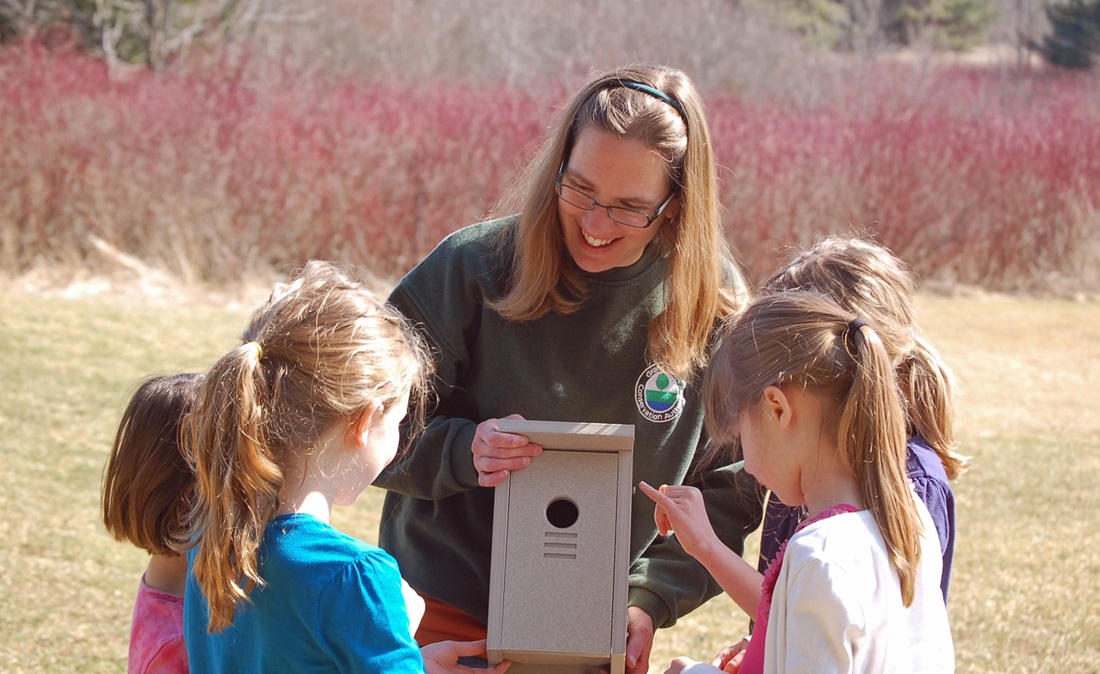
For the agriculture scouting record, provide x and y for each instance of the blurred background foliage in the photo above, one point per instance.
(213, 140)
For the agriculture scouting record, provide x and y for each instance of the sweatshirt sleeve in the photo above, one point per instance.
(667, 582)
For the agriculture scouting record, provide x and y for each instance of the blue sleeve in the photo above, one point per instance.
(780, 523)
(940, 501)
(364, 620)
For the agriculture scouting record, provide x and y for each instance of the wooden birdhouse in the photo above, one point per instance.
(561, 550)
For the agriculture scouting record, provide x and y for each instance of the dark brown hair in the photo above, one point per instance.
(147, 483)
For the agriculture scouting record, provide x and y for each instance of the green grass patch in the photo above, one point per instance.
(69, 367)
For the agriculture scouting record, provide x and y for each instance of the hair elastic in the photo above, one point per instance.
(849, 336)
(259, 350)
(656, 93)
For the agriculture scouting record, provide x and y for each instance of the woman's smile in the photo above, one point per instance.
(617, 172)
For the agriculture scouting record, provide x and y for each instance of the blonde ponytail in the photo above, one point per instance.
(929, 389)
(871, 435)
(238, 481)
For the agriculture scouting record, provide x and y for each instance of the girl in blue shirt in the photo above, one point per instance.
(301, 417)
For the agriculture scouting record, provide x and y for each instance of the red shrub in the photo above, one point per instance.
(969, 176)
(972, 176)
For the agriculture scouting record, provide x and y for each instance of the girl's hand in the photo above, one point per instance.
(442, 658)
(681, 510)
(497, 454)
(678, 665)
(689, 666)
(729, 660)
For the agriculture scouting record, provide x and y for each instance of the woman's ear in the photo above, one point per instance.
(672, 211)
(361, 424)
(777, 406)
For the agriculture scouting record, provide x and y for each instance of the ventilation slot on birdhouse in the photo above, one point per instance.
(560, 545)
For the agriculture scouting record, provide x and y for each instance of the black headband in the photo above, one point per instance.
(656, 93)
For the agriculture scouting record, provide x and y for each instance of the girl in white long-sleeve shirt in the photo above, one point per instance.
(811, 395)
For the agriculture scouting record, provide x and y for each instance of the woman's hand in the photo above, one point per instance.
(639, 640)
(681, 510)
(497, 454)
(442, 658)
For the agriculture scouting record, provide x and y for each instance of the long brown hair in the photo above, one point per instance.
(699, 259)
(806, 340)
(867, 279)
(318, 353)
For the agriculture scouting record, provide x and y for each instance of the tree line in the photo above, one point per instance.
(151, 34)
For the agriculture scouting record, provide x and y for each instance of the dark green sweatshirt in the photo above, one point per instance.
(587, 366)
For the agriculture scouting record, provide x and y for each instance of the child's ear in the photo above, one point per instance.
(361, 424)
(777, 406)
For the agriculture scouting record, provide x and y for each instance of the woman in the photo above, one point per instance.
(597, 303)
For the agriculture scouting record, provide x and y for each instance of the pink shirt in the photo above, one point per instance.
(156, 635)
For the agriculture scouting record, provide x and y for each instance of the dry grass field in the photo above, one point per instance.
(1027, 572)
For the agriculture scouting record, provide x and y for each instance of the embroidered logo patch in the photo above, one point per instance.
(659, 395)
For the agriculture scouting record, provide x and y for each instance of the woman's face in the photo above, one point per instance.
(615, 172)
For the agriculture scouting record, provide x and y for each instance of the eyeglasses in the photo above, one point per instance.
(624, 216)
